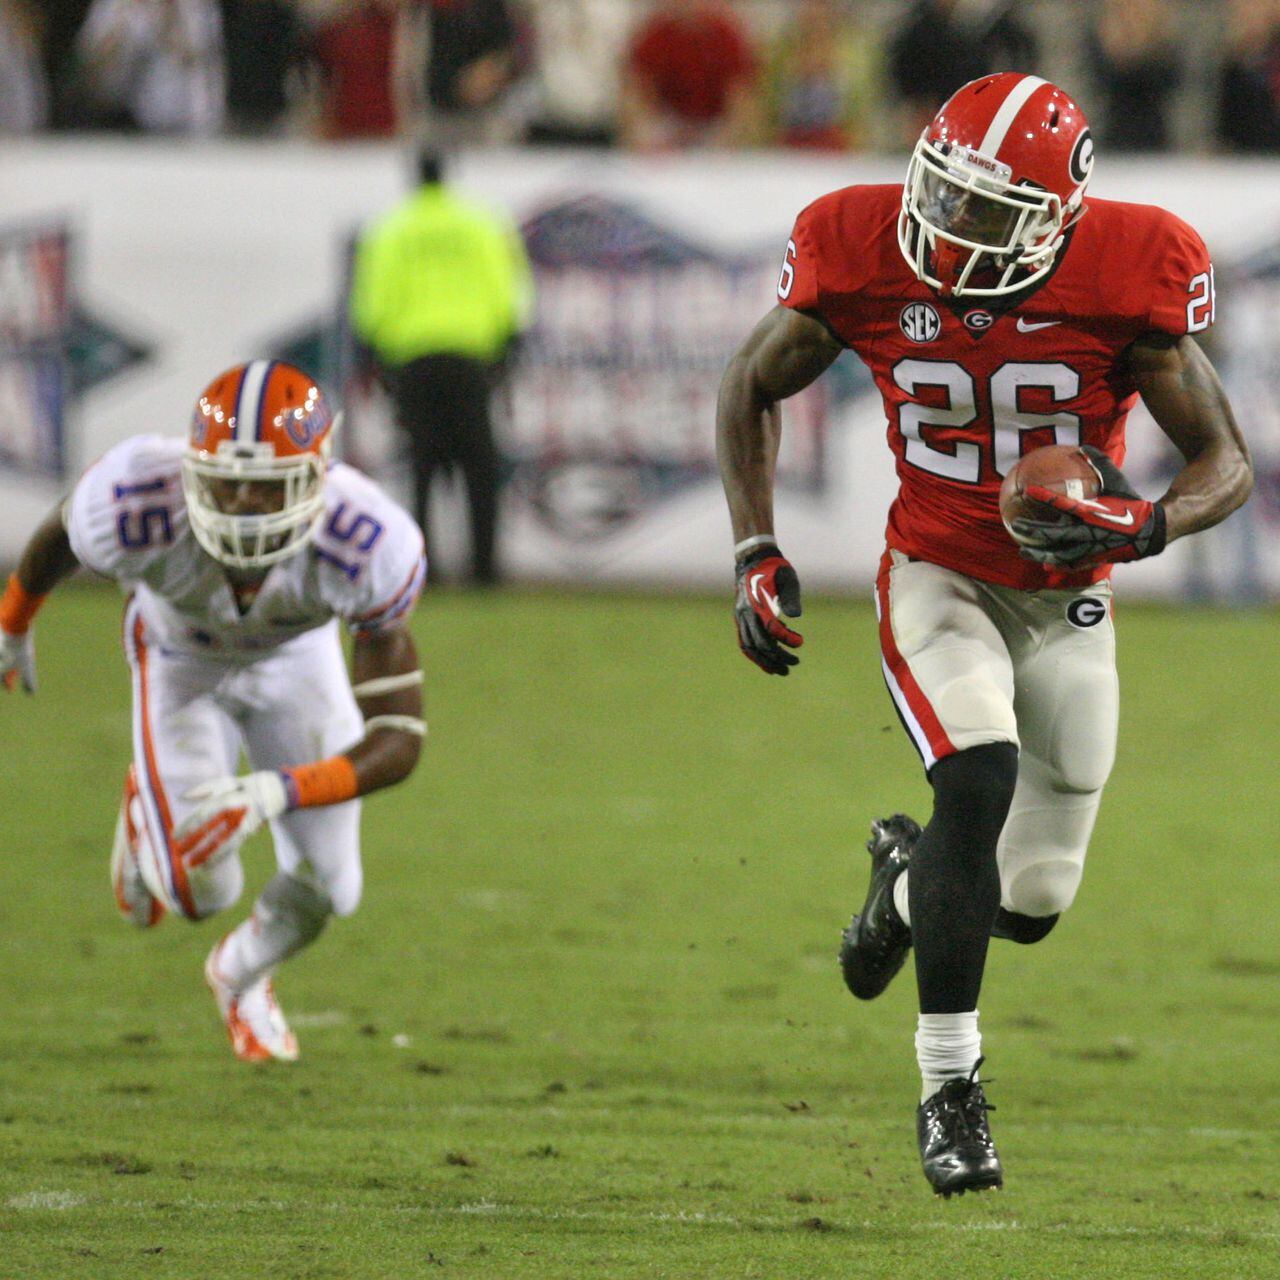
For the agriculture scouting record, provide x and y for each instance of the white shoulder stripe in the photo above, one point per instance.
(249, 401)
(997, 130)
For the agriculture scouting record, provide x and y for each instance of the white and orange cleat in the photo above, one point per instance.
(254, 1020)
(136, 902)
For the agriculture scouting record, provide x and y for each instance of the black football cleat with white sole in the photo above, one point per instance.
(956, 1149)
(874, 946)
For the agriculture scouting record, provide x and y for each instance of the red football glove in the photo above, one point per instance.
(767, 588)
(1115, 527)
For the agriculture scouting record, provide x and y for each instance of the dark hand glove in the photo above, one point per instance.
(767, 588)
(1115, 527)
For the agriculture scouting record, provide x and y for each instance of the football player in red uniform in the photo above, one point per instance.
(997, 313)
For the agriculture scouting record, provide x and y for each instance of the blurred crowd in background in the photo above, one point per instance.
(644, 75)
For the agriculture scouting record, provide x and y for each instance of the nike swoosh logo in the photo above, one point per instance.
(1126, 519)
(1025, 326)
(760, 595)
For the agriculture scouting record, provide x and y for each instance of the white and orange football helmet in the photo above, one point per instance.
(994, 182)
(253, 475)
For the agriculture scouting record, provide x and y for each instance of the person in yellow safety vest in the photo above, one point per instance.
(440, 292)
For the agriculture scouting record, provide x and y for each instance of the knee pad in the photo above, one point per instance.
(1045, 888)
(1078, 777)
(341, 890)
(300, 901)
(1020, 928)
(215, 888)
(973, 706)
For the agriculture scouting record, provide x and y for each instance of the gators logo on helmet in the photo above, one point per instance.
(257, 452)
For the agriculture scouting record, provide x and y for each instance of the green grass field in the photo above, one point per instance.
(588, 1021)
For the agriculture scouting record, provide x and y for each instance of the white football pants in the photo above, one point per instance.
(192, 716)
(967, 663)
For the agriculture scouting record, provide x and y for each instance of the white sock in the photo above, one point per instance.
(289, 914)
(947, 1046)
(900, 898)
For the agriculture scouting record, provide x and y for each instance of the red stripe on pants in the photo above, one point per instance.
(177, 866)
(920, 706)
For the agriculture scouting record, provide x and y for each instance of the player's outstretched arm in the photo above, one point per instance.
(46, 560)
(1180, 387)
(785, 353)
(387, 682)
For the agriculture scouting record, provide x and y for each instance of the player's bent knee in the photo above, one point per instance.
(1046, 889)
(1079, 771)
(213, 889)
(306, 902)
(976, 712)
(1080, 777)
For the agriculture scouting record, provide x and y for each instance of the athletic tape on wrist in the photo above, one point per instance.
(328, 781)
(18, 607)
(402, 724)
(751, 543)
(386, 684)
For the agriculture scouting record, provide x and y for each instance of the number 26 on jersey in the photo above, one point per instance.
(961, 460)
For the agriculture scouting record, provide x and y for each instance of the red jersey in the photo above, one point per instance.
(693, 62)
(971, 384)
(355, 52)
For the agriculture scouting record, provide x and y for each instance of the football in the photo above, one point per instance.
(1064, 468)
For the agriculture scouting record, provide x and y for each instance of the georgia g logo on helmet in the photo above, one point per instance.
(253, 474)
(995, 181)
(1081, 163)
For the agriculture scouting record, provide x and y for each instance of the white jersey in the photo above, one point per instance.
(127, 520)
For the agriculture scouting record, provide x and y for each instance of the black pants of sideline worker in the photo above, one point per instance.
(442, 405)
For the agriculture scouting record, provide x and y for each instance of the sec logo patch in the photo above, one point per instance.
(920, 322)
(1086, 612)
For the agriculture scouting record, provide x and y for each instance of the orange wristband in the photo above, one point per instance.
(17, 607)
(328, 781)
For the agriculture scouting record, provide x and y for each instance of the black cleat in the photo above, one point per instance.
(874, 946)
(956, 1149)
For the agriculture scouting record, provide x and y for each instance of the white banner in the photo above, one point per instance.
(216, 253)
(35, 330)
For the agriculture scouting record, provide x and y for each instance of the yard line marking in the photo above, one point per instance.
(840, 1120)
(489, 1208)
(46, 1200)
(696, 1218)
(325, 1018)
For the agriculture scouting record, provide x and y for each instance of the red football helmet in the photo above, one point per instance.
(994, 182)
(253, 475)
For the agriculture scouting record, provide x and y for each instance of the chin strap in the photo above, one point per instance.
(946, 257)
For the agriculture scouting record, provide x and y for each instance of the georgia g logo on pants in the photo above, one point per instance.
(1086, 612)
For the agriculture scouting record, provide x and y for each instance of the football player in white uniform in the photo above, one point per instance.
(240, 549)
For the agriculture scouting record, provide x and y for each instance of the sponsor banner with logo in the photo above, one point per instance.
(607, 416)
(35, 324)
(650, 272)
